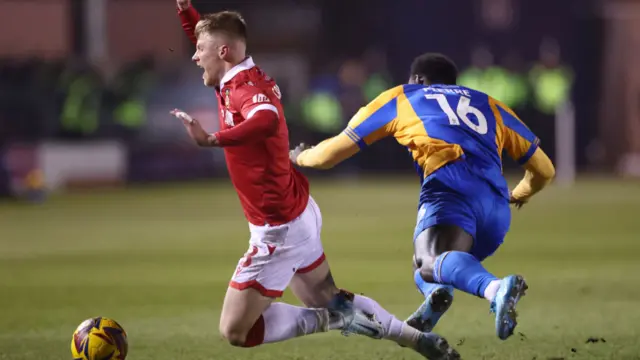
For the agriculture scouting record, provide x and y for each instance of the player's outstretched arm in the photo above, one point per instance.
(326, 154)
(258, 127)
(194, 129)
(189, 17)
(539, 171)
(367, 126)
(261, 117)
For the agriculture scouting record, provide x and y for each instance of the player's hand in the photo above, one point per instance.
(293, 154)
(194, 129)
(516, 202)
(183, 4)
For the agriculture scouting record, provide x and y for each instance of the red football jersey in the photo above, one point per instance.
(271, 190)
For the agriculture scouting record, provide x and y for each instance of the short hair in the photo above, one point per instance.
(435, 69)
(230, 23)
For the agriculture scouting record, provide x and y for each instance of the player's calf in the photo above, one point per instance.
(317, 287)
(243, 325)
(430, 245)
(442, 255)
(438, 299)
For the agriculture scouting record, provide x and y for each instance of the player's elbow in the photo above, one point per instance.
(541, 166)
(550, 173)
(546, 172)
(272, 126)
(542, 176)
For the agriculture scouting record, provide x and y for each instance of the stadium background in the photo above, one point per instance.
(153, 236)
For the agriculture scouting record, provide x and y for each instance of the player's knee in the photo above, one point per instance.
(425, 265)
(234, 335)
(238, 334)
(424, 257)
(426, 270)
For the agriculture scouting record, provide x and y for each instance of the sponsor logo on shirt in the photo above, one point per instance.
(260, 98)
(276, 91)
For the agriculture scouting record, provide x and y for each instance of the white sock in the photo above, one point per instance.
(394, 329)
(283, 321)
(491, 290)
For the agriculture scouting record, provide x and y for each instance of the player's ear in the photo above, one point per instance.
(415, 79)
(223, 51)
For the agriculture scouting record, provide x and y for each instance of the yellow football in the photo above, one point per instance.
(99, 338)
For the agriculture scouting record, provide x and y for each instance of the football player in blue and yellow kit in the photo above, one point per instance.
(456, 137)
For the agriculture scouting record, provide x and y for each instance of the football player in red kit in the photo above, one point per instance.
(284, 221)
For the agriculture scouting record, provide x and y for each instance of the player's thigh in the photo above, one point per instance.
(264, 272)
(446, 222)
(267, 265)
(493, 228)
(240, 311)
(312, 282)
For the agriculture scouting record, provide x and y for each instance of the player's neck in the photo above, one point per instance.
(233, 63)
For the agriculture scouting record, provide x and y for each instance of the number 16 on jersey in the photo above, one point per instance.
(462, 112)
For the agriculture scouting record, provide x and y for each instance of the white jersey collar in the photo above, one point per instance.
(246, 64)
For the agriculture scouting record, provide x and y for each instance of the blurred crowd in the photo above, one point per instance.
(73, 100)
(534, 89)
(69, 99)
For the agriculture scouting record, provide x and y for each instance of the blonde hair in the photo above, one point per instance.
(230, 23)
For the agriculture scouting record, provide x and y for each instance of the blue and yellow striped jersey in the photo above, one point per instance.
(442, 123)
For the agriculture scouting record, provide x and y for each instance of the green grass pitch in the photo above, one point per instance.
(158, 259)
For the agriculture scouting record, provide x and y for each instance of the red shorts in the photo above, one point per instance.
(277, 253)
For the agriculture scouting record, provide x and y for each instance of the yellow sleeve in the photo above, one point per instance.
(539, 171)
(369, 124)
(373, 121)
(328, 153)
(519, 142)
(523, 146)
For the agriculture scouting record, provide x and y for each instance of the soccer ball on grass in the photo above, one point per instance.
(99, 338)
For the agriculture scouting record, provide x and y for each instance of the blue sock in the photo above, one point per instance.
(463, 271)
(426, 288)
